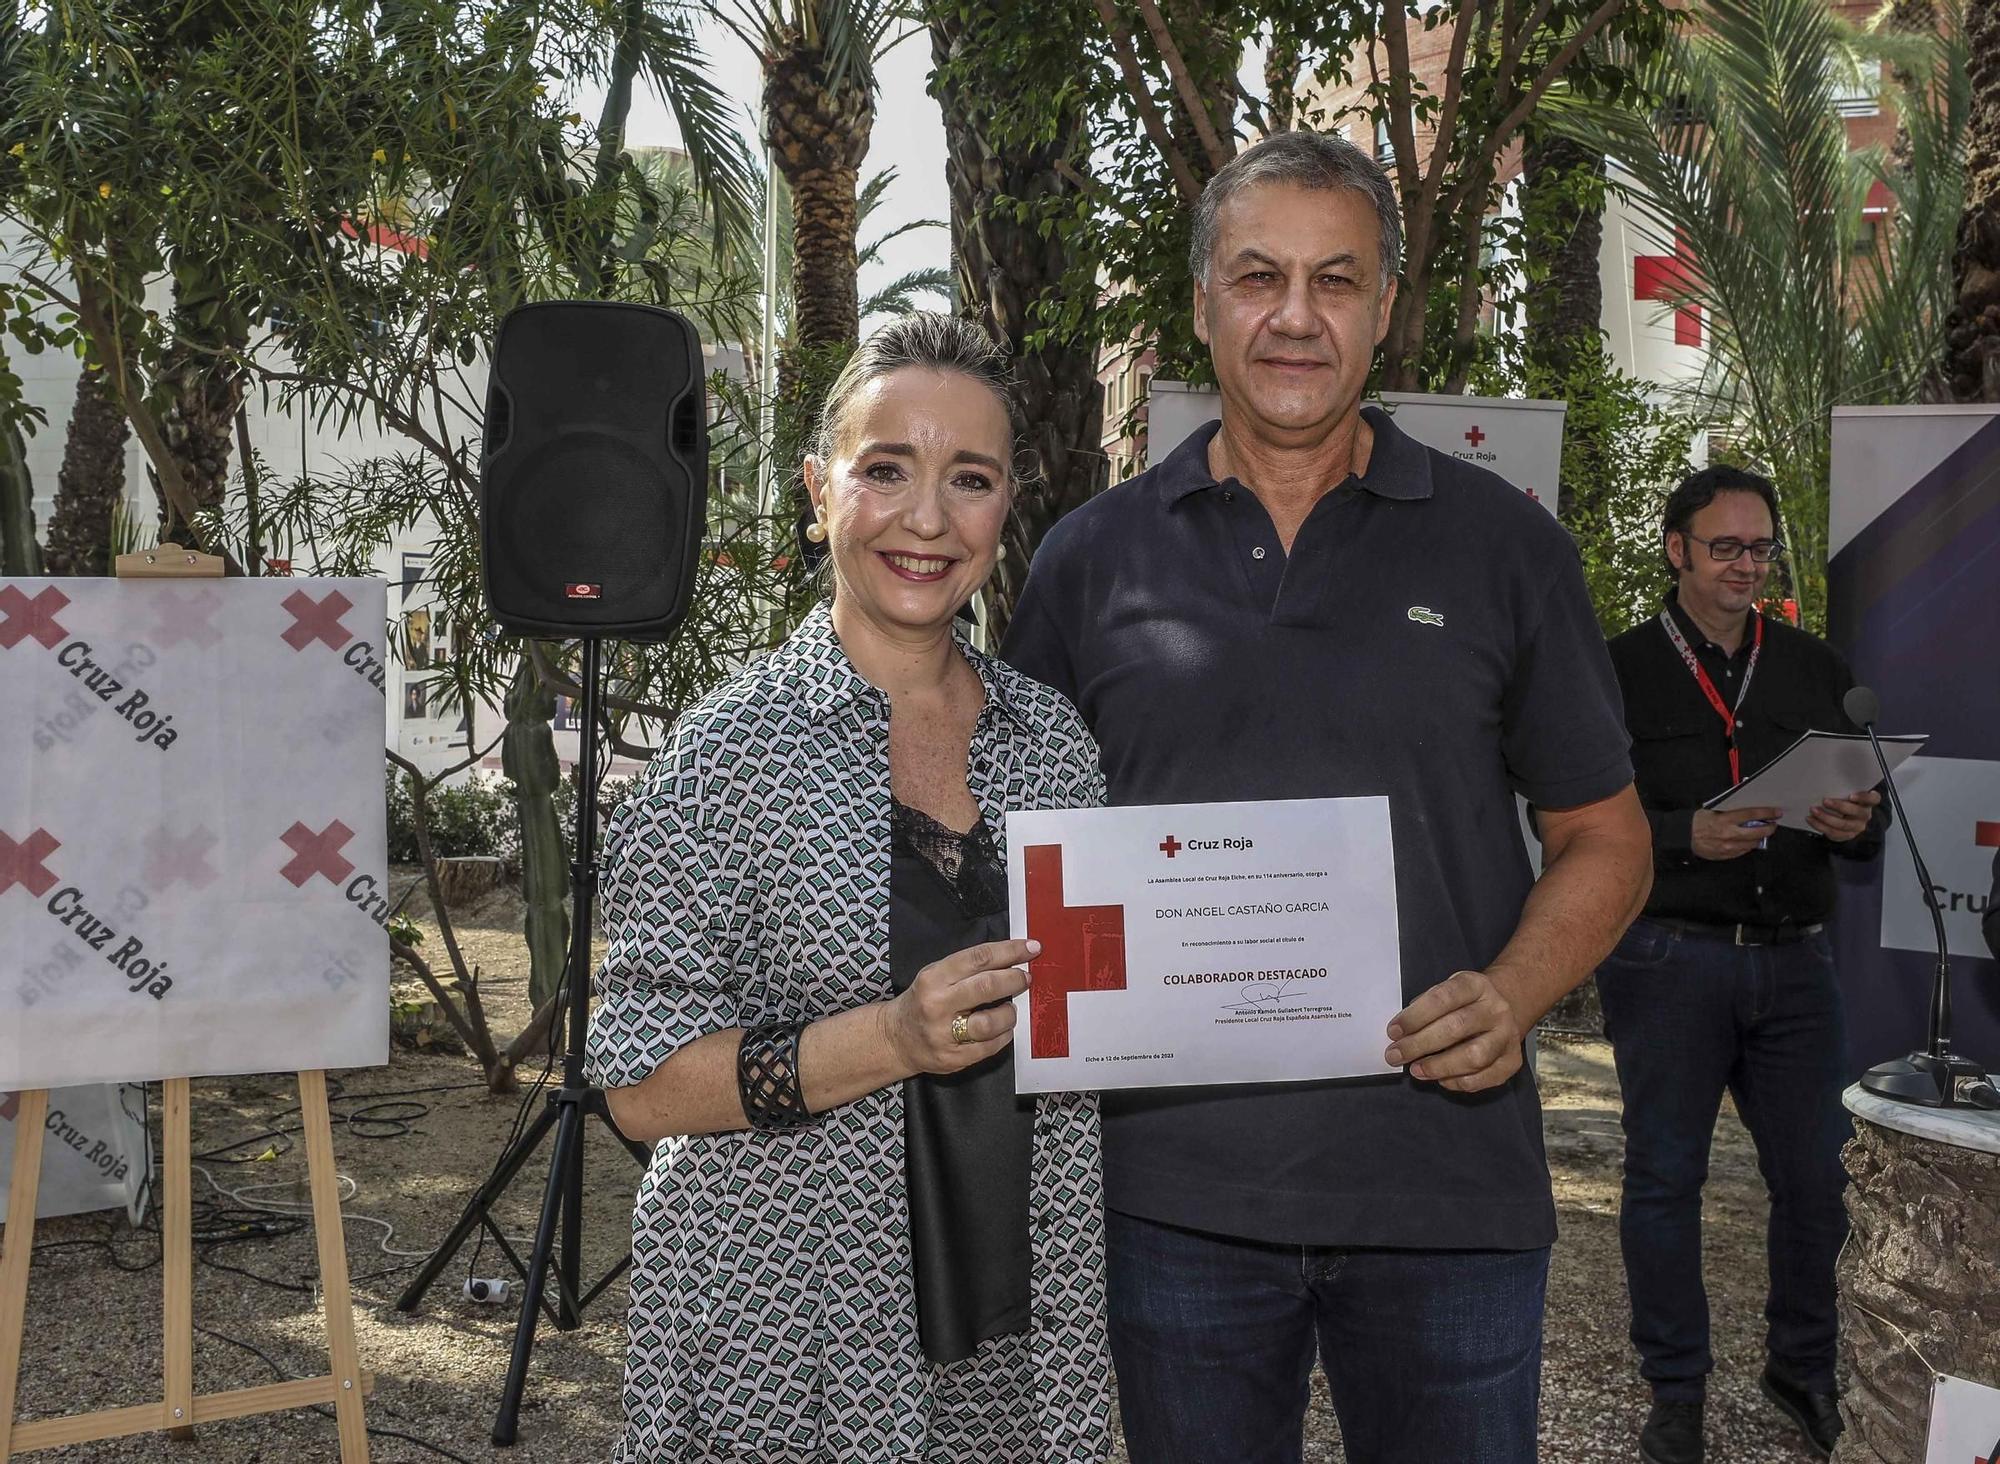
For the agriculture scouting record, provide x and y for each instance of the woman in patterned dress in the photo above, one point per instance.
(854, 1243)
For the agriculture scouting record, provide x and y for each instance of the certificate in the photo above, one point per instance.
(1204, 943)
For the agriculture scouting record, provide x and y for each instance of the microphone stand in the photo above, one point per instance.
(1936, 1077)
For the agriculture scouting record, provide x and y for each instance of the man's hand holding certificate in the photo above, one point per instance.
(1204, 943)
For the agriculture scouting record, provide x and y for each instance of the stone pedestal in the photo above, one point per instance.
(1920, 1277)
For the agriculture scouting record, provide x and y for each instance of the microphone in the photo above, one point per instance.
(1935, 1077)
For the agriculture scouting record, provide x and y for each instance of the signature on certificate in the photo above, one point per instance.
(1277, 996)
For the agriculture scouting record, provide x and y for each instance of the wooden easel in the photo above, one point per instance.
(180, 1408)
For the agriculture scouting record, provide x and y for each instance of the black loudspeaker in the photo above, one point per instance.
(594, 474)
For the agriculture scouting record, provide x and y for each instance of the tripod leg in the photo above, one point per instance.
(569, 1136)
(569, 1264)
(475, 1211)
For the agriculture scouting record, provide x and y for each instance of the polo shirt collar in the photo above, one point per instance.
(831, 686)
(1399, 466)
(1696, 636)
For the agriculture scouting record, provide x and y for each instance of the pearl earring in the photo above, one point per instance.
(1000, 555)
(816, 531)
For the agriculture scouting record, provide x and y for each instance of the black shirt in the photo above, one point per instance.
(1429, 638)
(968, 1142)
(1680, 754)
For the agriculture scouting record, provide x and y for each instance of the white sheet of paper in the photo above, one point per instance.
(1965, 1423)
(1204, 943)
(1819, 766)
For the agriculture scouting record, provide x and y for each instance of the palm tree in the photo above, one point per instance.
(1973, 364)
(1748, 164)
(1003, 185)
(818, 111)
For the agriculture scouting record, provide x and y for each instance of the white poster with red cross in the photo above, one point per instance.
(193, 866)
(1522, 441)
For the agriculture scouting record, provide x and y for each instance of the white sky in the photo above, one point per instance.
(908, 136)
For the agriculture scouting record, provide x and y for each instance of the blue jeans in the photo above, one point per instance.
(1690, 1016)
(1429, 1355)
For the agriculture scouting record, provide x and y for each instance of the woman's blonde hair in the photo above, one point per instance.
(932, 342)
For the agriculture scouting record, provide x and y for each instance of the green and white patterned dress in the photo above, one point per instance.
(773, 1315)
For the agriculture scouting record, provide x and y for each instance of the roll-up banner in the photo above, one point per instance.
(1913, 601)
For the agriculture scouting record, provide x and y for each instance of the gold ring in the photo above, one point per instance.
(960, 1033)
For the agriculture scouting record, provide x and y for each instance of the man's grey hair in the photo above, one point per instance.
(944, 343)
(1317, 160)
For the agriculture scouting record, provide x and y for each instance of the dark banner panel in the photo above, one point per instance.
(1914, 602)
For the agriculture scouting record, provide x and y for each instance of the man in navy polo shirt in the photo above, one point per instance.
(1298, 602)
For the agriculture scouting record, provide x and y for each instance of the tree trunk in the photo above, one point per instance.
(91, 480)
(1209, 42)
(1972, 334)
(1562, 205)
(201, 386)
(818, 131)
(528, 756)
(19, 553)
(1563, 202)
(1919, 1286)
(1006, 266)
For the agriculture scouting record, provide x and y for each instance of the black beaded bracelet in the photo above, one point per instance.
(767, 1076)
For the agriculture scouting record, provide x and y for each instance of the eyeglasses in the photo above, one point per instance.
(1761, 550)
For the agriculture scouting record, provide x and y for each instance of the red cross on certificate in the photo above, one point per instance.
(1668, 277)
(1083, 949)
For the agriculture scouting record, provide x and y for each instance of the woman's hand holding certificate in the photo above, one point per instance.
(957, 1012)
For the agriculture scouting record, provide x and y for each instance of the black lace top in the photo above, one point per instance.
(967, 1138)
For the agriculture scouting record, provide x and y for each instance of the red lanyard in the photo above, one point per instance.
(1722, 708)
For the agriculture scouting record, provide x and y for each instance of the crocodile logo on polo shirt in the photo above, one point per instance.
(1424, 615)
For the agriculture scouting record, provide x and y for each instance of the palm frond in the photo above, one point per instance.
(899, 297)
(1739, 157)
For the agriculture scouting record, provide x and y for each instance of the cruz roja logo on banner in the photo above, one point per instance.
(319, 621)
(24, 863)
(110, 683)
(319, 854)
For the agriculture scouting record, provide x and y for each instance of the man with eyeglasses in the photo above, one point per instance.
(1726, 983)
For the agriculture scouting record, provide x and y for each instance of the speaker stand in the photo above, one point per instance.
(564, 1115)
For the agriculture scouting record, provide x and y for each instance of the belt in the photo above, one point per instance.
(1783, 933)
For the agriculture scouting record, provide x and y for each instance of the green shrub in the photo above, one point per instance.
(477, 819)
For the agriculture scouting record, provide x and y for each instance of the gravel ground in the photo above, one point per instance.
(94, 1305)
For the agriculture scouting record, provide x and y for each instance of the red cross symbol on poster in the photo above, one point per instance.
(1475, 436)
(317, 853)
(21, 863)
(317, 620)
(1667, 277)
(179, 859)
(21, 617)
(1986, 834)
(187, 618)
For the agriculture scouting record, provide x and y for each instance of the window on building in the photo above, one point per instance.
(1856, 86)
